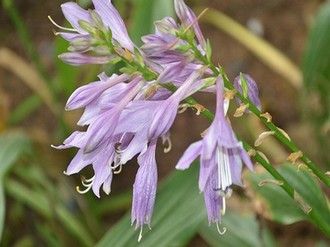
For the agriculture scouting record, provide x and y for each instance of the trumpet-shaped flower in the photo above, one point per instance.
(221, 156)
(144, 189)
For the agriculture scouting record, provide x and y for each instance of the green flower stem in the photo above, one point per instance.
(313, 215)
(278, 134)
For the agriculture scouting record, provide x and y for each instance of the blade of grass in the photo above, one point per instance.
(12, 62)
(12, 145)
(25, 37)
(24, 109)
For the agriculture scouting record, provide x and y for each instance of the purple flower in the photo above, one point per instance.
(221, 156)
(165, 50)
(84, 95)
(144, 189)
(97, 36)
(107, 14)
(187, 18)
(77, 59)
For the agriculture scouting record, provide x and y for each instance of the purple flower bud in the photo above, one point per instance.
(188, 17)
(77, 59)
(251, 87)
(86, 94)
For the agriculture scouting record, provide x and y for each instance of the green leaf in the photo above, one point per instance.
(144, 15)
(242, 230)
(12, 145)
(280, 207)
(72, 224)
(178, 212)
(316, 72)
(309, 189)
(24, 109)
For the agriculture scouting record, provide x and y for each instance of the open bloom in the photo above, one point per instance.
(221, 156)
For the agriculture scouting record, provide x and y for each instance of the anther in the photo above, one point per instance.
(118, 170)
(118, 150)
(169, 146)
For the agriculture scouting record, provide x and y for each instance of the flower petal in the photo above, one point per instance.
(189, 156)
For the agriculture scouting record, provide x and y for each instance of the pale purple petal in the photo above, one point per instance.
(77, 59)
(113, 20)
(102, 171)
(87, 93)
(73, 13)
(145, 186)
(107, 184)
(77, 163)
(72, 36)
(189, 156)
(187, 17)
(213, 201)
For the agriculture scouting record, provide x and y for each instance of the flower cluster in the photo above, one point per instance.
(126, 114)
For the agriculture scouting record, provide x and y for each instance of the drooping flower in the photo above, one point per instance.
(221, 157)
(144, 188)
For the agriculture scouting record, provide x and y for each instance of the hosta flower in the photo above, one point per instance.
(144, 189)
(165, 49)
(124, 115)
(221, 157)
(94, 31)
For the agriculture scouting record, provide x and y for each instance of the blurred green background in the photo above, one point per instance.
(39, 205)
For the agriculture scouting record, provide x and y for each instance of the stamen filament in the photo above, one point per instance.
(140, 235)
(224, 229)
(60, 27)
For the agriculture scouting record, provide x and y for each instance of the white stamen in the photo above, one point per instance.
(60, 27)
(140, 235)
(224, 229)
(224, 173)
(88, 183)
(118, 170)
(223, 210)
